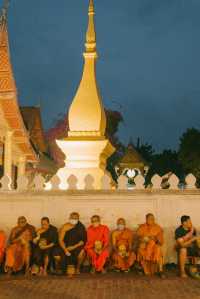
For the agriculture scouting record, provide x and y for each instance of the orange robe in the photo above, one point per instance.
(125, 238)
(18, 252)
(100, 233)
(2, 245)
(150, 253)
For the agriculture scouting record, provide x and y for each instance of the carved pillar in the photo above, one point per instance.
(21, 166)
(8, 154)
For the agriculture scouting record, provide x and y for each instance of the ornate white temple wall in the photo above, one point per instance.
(167, 205)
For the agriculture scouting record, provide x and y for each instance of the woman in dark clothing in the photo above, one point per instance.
(46, 240)
(72, 239)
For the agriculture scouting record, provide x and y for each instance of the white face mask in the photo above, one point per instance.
(73, 221)
(121, 226)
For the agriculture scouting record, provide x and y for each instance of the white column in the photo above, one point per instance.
(8, 154)
(21, 166)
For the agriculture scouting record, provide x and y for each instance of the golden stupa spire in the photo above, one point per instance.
(90, 44)
(86, 113)
(3, 15)
(7, 81)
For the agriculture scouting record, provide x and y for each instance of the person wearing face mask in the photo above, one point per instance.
(123, 256)
(97, 244)
(43, 245)
(72, 239)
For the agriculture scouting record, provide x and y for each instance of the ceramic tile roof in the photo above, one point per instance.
(8, 96)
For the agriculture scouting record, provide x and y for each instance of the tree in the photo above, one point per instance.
(189, 152)
(58, 131)
(146, 151)
(163, 163)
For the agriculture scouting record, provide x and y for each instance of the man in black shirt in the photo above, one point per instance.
(46, 240)
(185, 236)
(72, 239)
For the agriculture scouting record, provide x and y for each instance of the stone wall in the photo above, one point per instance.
(167, 205)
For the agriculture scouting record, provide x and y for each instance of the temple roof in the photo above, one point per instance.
(11, 118)
(7, 81)
(33, 122)
(132, 158)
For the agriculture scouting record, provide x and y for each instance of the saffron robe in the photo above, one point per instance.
(149, 253)
(19, 250)
(2, 245)
(124, 237)
(100, 233)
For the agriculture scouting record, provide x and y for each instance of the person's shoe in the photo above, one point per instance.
(34, 270)
(116, 270)
(126, 271)
(193, 272)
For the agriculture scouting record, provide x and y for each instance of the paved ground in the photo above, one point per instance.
(110, 286)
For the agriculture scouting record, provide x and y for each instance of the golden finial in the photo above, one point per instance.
(5, 7)
(91, 34)
(91, 7)
(4, 11)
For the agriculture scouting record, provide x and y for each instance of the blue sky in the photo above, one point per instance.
(148, 68)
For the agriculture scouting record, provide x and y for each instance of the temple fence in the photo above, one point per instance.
(167, 206)
(38, 183)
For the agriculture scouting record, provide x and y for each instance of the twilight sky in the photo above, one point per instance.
(149, 65)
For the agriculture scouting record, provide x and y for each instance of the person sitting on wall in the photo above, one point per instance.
(45, 241)
(149, 254)
(123, 256)
(18, 252)
(2, 246)
(97, 244)
(72, 238)
(186, 243)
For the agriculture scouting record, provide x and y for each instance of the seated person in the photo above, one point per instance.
(72, 239)
(45, 241)
(97, 244)
(2, 246)
(18, 251)
(149, 254)
(186, 243)
(123, 256)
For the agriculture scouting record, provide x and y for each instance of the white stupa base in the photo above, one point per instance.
(83, 158)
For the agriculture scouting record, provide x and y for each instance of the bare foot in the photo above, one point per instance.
(184, 275)
(45, 273)
(104, 271)
(27, 272)
(41, 271)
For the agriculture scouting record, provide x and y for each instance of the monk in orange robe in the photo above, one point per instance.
(149, 253)
(2, 246)
(123, 256)
(97, 244)
(19, 251)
